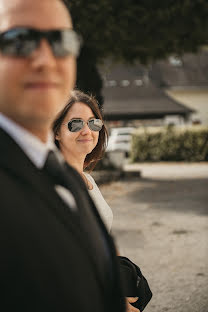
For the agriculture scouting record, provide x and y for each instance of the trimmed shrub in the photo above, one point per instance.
(170, 144)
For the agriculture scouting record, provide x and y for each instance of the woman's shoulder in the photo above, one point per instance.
(90, 178)
(87, 175)
(102, 206)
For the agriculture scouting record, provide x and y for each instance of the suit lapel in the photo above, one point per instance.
(14, 160)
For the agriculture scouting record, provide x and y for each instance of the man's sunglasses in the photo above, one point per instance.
(22, 41)
(76, 125)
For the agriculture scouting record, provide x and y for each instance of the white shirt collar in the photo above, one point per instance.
(33, 147)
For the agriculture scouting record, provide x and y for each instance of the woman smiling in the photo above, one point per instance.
(81, 136)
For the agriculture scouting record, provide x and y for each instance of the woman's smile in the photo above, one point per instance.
(84, 140)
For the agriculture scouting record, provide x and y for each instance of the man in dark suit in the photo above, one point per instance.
(55, 253)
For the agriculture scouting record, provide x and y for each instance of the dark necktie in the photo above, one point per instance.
(56, 170)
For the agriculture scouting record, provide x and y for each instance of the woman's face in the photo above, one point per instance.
(82, 142)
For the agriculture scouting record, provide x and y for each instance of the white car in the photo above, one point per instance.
(120, 139)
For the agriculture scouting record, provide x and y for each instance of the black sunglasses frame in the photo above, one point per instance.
(22, 41)
(89, 123)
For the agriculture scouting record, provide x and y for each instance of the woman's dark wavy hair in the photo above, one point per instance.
(97, 153)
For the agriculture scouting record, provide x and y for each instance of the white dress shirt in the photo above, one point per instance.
(36, 151)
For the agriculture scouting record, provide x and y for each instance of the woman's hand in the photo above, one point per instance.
(129, 307)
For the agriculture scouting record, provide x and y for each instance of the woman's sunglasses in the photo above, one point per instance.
(76, 125)
(22, 41)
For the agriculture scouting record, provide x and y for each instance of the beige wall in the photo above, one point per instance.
(194, 98)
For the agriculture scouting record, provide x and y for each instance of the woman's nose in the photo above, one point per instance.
(85, 129)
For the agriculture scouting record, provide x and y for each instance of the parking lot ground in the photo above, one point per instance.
(161, 223)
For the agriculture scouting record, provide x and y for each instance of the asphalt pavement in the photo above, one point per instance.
(161, 223)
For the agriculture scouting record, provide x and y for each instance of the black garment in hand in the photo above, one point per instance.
(134, 283)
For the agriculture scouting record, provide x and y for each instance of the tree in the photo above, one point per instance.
(135, 30)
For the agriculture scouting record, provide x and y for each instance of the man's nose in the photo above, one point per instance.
(43, 55)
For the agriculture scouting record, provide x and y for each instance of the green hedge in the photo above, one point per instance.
(170, 144)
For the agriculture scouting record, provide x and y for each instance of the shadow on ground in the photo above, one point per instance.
(179, 195)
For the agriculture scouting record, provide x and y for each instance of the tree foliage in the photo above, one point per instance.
(139, 30)
(142, 30)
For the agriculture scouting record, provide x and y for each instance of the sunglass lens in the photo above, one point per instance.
(95, 124)
(75, 125)
(18, 42)
(55, 39)
(65, 42)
